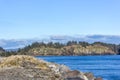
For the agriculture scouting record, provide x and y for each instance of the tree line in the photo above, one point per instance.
(57, 45)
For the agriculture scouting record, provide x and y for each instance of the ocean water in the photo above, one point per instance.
(108, 67)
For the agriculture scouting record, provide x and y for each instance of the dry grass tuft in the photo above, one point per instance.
(23, 61)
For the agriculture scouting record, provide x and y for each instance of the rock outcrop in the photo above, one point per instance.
(71, 50)
(21, 67)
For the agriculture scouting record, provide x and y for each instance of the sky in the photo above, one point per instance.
(21, 19)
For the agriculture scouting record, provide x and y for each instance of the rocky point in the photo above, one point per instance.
(21, 67)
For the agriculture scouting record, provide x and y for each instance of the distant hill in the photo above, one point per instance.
(14, 44)
(70, 48)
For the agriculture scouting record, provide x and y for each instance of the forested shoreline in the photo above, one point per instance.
(69, 48)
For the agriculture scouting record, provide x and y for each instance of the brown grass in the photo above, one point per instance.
(18, 60)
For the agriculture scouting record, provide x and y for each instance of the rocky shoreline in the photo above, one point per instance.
(21, 67)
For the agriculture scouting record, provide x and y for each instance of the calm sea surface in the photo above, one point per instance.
(107, 67)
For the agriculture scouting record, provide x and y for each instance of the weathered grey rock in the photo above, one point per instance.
(75, 75)
(26, 68)
(99, 78)
(28, 74)
(89, 75)
(29, 68)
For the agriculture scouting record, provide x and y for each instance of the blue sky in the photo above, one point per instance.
(37, 18)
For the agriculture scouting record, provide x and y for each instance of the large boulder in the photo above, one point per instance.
(75, 75)
(89, 75)
(99, 78)
(21, 67)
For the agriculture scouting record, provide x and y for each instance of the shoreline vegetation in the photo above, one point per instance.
(24, 67)
(71, 48)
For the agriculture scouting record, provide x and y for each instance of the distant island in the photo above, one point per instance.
(71, 48)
